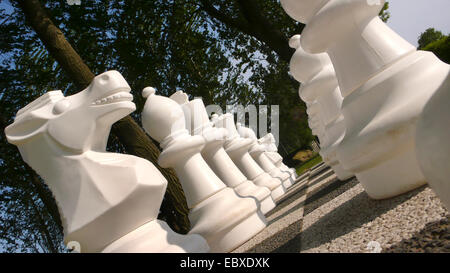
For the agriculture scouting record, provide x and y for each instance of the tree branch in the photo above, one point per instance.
(55, 42)
(255, 25)
(215, 13)
(265, 31)
(129, 133)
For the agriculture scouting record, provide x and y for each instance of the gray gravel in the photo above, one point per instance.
(434, 238)
(328, 215)
(358, 223)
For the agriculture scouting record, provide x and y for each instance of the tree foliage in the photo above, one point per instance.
(430, 35)
(441, 48)
(433, 40)
(227, 52)
(384, 13)
(225, 55)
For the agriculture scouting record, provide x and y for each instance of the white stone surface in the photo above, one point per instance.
(237, 148)
(105, 199)
(257, 151)
(320, 89)
(216, 211)
(433, 143)
(385, 83)
(216, 157)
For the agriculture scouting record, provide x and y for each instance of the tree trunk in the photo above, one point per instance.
(174, 208)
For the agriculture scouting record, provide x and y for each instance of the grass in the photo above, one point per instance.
(309, 164)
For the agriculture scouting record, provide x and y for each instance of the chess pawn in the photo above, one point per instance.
(433, 145)
(108, 202)
(257, 151)
(385, 83)
(269, 144)
(214, 154)
(321, 89)
(216, 211)
(237, 148)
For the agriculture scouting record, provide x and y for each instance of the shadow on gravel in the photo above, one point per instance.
(280, 238)
(300, 191)
(314, 175)
(326, 193)
(316, 197)
(342, 220)
(433, 238)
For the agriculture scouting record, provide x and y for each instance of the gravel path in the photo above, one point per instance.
(328, 215)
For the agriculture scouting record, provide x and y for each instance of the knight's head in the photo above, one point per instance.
(269, 143)
(245, 132)
(79, 122)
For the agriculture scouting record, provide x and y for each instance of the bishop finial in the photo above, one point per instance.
(148, 91)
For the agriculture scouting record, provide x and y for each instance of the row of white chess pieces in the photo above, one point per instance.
(109, 202)
(379, 107)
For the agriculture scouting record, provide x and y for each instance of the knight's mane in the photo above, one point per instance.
(49, 97)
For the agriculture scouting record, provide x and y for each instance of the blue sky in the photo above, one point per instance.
(410, 18)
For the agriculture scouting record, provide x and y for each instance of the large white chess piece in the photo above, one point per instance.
(258, 152)
(385, 83)
(216, 211)
(269, 143)
(214, 154)
(108, 202)
(320, 89)
(237, 148)
(433, 143)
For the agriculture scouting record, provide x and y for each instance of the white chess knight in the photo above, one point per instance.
(197, 120)
(108, 202)
(237, 148)
(320, 89)
(216, 211)
(269, 143)
(258, 153)
(385, 83)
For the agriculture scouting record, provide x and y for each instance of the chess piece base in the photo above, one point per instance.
(262, 194)
(226, 221)
(266, 164)
(157, 237)
(433, 142)
(341, 173)
(285, 178)
(329, 156)
(273, 184)
(385, 181)
(379, 145)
